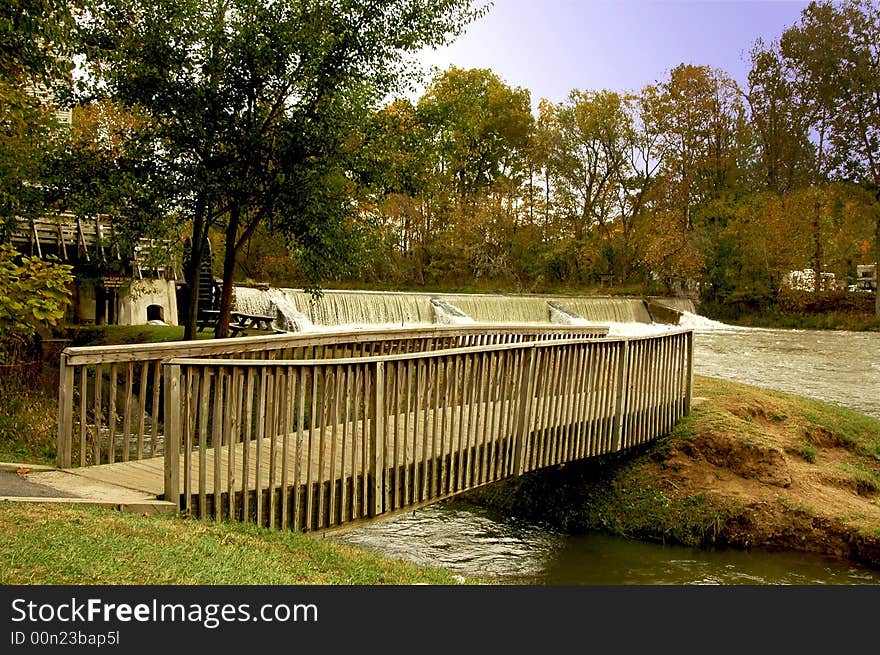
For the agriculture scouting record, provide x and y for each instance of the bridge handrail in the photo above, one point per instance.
(231, 345)
(218, 361)
(137, 401)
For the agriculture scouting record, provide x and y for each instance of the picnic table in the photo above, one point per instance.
(239, 322)
(207, 318)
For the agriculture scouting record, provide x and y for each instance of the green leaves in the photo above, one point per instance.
(34, 294)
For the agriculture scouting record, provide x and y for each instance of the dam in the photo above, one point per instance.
(295, 310)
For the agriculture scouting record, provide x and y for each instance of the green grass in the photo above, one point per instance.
(865, 479)
(107, 335)
(807, 452)
(27, 427)
(854, 431)
(45, 544)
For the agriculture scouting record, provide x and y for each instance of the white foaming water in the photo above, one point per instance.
(287, 316)
(252, 301)
(561, 316)
(446, 313)
(632, 329)
(703, 324)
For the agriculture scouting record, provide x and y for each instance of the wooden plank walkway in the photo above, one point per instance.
(148, 475)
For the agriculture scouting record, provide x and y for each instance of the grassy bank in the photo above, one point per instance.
(750, 468)
(827, 321)
(113, 335)
(71, 545)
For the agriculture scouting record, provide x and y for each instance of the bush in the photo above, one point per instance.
(34, 295)
(807, 302)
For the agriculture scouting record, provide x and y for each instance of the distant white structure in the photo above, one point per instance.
(866, 277)
(805, 280)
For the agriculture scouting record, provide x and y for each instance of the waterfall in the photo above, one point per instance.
(252, 301)
(607, 309)
(502, 309)
(287, 316)
(366, 307)
(300, 311)
(678, 304)
(559, 315)
(296, 310)
(448, 314)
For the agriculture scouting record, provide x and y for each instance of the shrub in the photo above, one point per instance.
(34, 295)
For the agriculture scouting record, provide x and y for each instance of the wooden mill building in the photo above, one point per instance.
(109, 286)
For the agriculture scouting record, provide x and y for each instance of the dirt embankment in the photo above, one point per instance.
(750, 468)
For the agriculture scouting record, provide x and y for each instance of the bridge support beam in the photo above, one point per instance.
(689, 380)
(620, 402)
(377, 441)
(173, 431)
(64, 453)
(526, 402)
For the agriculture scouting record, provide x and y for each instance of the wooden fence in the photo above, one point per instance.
(307, 444)
(109, 399)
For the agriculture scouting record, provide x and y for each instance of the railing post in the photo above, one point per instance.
(65, 413)
(524, 416)
(377, 438)
(621, 394)
(173, 431)
(689, 381)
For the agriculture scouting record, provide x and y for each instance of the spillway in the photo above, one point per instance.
(297, 310)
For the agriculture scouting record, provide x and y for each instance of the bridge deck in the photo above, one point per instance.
(147, 475)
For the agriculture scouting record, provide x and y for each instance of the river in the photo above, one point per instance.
(838, 367)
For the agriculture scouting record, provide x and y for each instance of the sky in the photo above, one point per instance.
(553, 46)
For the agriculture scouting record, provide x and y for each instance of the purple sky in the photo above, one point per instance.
(553, 46)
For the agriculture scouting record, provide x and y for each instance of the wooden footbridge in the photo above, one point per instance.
(311, 431)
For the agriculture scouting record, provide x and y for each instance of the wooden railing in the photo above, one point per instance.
(308, 444)
(109, 399)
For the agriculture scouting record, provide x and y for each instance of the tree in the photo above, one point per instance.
(834, 51)
(479, 125)
(700, 117)
(602, 154)
(444, 175)
(249, 104)
(396, 170)
(856, 134)
(780, 121)
(590, 157)
(34, 74)
(478, 130)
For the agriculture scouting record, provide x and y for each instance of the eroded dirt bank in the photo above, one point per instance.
(750, 468)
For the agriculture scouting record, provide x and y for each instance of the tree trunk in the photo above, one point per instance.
(192, 270)
(229, 252)
(817, 222)
(817, 245)
(877, 265)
